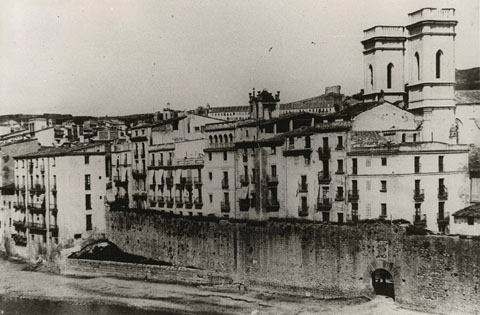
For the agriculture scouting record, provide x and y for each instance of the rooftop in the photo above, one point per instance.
(324, 100)
(229, 109)
(467, 97)
(470, 211)
(80, 148)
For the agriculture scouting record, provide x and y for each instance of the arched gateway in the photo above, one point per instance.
(382, 282)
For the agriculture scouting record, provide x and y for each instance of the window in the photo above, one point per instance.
(340, 217)
(87, 159)
(339, 166)
(384, 161)
(89, 222)
(384, 209)
(53, 161)
(307, 159)
(389, 75)
(470, 220)
(417, 59)
(274, 170)
(440, 163)
(225, 155)
(404, 137)
(384, 186)
(354, 167)
(209, 156)
(438, 63)
(414, 137)
(88, 201)
(369, 210)
(370, 68)
(87, 182)
(441, 210)
(417, 164)
(340, 191)
(307, 142)
(339, 142)
(369, 185)
(210, 175)
(210, 198)
(273, 150)
(325, 216)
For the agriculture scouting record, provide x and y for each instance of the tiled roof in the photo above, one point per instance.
(58, 151)
(229, 109)
(159, 123)
(367, 139)
(352, 111)
(313, 102)
(470, 211)
(467, 97)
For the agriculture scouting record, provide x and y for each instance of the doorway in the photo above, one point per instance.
(382, 282)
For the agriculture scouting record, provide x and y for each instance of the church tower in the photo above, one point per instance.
(431, 71)
(383, 55)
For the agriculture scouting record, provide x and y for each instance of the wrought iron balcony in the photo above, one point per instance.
(38, 207)
(272, 205)
(225, 206)
(339, 196)
(161, 201)
(418, 195)
(443, 218)
(443, 193)
(302, 187)
(197, 181)
(139, 173)
(353, 195)
(19, 205)
(188, 203)
(272, 180)
(198, 203)
(244, 180)
(169, 201)
(302, 211)
(324, 204)
(420, 220)
(19, 224)
(224, 183)
(324, 153)
(324, 178)
(179, 201)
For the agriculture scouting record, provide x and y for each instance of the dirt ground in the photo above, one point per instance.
(16, 282)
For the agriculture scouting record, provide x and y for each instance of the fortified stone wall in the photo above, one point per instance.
(430, 272)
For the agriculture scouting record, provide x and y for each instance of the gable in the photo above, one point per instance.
(384, 117)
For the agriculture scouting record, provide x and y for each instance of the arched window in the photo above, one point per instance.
(417, 59)
(370, 68)
(231, 137)
(404, 137)
(220, 138)
(389, 75)
(226, 138)
(211, 139)
(216, 138)
(438, 63)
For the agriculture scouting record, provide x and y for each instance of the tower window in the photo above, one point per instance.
(389, 75)
(417, 58)
(438, 63)
(371, 75)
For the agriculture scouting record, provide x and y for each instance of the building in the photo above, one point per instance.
(59, 195)
(229, 112)
(326, 103)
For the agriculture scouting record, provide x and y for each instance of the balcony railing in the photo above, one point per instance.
(169, 181)
(324, 204)
(188, 203)
(244, 180)
(139, 173)
(188, 181)
(324, 178)
(198, 203)
(224, 183)
(169, 162)
(353, 195)
(161, 201)
(36, 206)
(179, 201)
(420, 220)
(418, 195)
(443, 193)
(339, 196)
(19, 205)
(19, 224)
(303, 211)
(272, 205)
(225, 206)
(272, 180)
(443, 218)
(197, 181)
(323, 153)
(302, 187)
(340, 147)
(169, 201)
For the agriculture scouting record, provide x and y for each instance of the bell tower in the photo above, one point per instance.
(431, 70)
(383, 55)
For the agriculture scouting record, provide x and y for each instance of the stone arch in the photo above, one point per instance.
(389, 267)
(383, 283)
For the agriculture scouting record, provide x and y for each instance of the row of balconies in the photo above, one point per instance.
(419, 195)
(136, 154)
(42, 226)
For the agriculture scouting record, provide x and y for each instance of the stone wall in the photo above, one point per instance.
(435, 273)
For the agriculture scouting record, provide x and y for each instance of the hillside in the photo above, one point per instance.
(468, 79)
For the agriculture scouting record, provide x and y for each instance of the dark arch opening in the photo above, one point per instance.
(389, 75)
(382, 282)
(417, 59)
(438, 63)
(370, 68)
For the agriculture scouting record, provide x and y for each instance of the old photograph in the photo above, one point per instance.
(268, 157)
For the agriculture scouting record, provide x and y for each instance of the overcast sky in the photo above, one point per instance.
(98, 57)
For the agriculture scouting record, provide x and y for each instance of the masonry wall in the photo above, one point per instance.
(437, 273)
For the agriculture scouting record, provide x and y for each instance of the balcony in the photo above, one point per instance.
(353, 195)
(188, 182)
(225, 206)
(324, 204)
(179, 201)
(443, 218)
(442, 193)
(36, 207)
(152, 201)
(198, 203)
(30, 168)
(245, 158)
(169, 162)
(140, 194)
(292, 151)
(420, 220)
(19, 224)
(197, 181)
(272, 205)
(188, 203)
(139, 174)
(340, 172)
(224, 183)
(340, 147)
(244, 204)
(339, 196)
(37, 226)
(418, 195)
(324, 178)
(169, 201)
(323, 153)
(54, 208)
(119, 182)
(20, 240)
(161, 201)
(19, 206)
(119, 203)
(244, 180)
(169, 181)
(302, 187)
(303, 211)
(38, 188)
(272, 180)
(182, 182)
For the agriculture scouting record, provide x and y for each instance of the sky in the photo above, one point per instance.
(104, 57)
